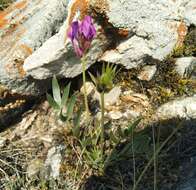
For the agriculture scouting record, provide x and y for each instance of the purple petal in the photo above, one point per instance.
(87, 28)
(79, 52)
(73, 30)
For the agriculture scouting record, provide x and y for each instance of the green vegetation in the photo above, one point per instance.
(5, 3)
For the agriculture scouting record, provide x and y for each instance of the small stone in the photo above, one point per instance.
(186, 67)
(115, 115)
(2, 141)
(147, 72)
(89, 88)
(130, 114)
(111, 97)
(53, 161)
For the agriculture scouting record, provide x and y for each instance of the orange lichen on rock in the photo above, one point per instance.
(19, 67)
(3, 20)
(23, 52)
(182, 31)
(78, 5)
(20, 5)
(27, 49)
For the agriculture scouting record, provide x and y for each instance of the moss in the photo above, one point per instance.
(5, 3)
(189, 46)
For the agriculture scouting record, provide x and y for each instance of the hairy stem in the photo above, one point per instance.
(84, 85)
(133, 154)
(155, 159)
(102, 121)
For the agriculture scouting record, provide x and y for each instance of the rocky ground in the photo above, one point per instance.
(154, 45)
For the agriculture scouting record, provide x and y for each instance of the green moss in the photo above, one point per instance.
(189, 46)
(5, 3)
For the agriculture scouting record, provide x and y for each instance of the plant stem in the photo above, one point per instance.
(84, 84)
(154, 155)
(133, 154)
(102, 121)
(155, 159)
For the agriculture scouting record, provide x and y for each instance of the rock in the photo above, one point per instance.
(186, 67)
(128, 53)
(189, 13)
(89, 88)
(130, 114)
(34, 167)
(2, 141)
(147, 72)
(111, 97)
(152, 28)
(56, 55)
(34, 44)
(24, 27)
(114, 115)
(53, 161)
(184, 108)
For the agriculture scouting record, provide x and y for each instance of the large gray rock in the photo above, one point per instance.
(34, 46)
(24, 27)
(153, 27)
(184, 108)
(56, 57)
(189, 12)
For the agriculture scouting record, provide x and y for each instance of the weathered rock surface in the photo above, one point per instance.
(184, 108)
(24, 27)
(147, 72)
(155, 24)
(54, 160)
(34, 46)
(186, 66)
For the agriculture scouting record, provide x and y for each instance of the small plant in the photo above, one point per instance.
(58, 102)
(104, 83)
(81, 35)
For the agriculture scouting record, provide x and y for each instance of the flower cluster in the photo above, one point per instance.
(81, 35)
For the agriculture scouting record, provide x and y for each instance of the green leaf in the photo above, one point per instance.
(113, 138)
(65, 95)
(70, 106)
(93, 79)
(120, 132)
(131, 127)
(56, 91)
(62, 117)
(76, 127)
(52, 102)
(141, 144)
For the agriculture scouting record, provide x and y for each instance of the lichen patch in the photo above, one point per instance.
(182, 31)
(81, 6)
(3, 14)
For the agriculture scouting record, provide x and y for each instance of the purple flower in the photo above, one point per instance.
(81, 35)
